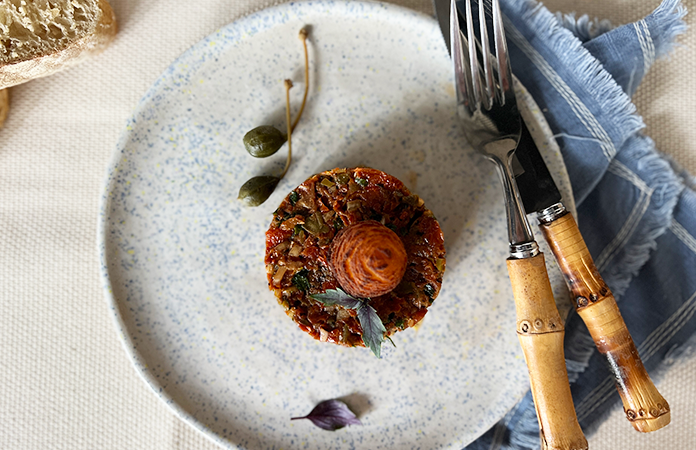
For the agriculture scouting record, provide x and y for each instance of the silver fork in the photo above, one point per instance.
(487, 106)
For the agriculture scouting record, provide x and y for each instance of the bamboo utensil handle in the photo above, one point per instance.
(541, 330)
(645, 408)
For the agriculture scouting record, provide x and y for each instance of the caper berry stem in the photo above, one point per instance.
(288, 86)
(265, 140)
(303, 36)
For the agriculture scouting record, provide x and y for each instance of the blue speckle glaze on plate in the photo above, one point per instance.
(182, 259)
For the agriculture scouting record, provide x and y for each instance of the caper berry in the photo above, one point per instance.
(258, 189)
(264, 141)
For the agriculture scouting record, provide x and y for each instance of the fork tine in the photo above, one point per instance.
(473, 60)
(501, 54)
(460, 56)
(489, 85)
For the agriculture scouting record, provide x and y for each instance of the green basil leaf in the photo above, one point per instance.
(429, 290)
(300, 280)
(373, 328)
(337, 297)
(294, 197)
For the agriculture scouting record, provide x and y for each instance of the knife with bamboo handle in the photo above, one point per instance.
(645, 408)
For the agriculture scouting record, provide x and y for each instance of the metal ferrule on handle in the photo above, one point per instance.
(551, 213)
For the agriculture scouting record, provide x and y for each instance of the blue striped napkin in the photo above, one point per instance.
(636, 208)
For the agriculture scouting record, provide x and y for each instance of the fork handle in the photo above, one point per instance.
(540, 331)
(645, 408)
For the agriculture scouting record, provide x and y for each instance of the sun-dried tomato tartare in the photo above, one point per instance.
(298, 251)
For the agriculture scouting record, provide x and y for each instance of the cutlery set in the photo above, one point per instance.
(492, 124)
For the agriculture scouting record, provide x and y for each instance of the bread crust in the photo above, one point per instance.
(36, 66)
(4, 105)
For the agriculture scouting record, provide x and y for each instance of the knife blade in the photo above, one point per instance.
(644, 406)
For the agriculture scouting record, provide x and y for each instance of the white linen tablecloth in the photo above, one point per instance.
(65, 381)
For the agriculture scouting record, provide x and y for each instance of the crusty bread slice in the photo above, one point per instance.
(40, 37)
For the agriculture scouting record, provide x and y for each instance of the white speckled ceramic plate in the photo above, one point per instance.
(182, 259)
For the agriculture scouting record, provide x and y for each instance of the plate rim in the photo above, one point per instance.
(135, 358)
